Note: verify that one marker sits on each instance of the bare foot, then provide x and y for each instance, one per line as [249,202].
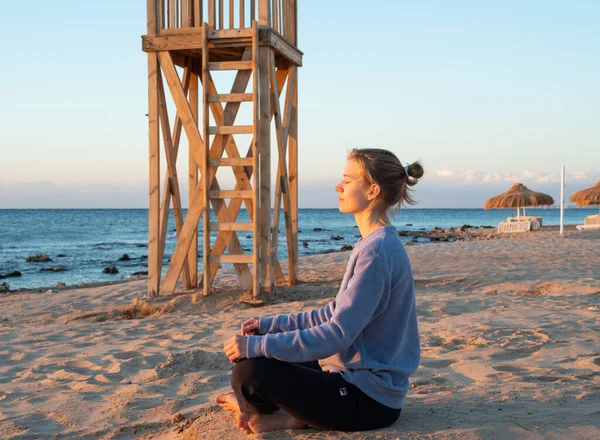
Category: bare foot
[228,402]
[242,423]
[272,422]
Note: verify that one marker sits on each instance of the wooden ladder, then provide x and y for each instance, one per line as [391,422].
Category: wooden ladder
[244,168]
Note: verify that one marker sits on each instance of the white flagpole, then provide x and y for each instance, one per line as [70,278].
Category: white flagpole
[562,199]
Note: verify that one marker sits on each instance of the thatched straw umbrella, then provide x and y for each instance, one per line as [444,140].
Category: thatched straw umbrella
[519,195]
[588,196]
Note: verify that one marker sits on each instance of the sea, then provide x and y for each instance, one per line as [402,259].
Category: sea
[86,241]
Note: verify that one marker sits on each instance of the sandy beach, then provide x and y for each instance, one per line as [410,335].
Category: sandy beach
[510,332]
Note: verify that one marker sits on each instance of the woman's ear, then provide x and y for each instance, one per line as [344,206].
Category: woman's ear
[374,191]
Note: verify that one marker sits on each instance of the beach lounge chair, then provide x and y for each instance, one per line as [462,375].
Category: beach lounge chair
[525,218]
[590,222]
[519,226]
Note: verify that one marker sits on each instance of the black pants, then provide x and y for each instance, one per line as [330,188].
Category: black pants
[319,399]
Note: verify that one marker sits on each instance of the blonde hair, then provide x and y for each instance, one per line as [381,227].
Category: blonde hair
[383,168]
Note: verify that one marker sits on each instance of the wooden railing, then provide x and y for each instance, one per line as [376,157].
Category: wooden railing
[280,15]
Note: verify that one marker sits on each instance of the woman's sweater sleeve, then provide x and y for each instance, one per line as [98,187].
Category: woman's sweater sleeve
[354,309]
[296,321]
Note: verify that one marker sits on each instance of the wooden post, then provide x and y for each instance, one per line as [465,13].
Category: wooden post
[212,14]
[151,23]
[264,13]
[293,22]
[242,14]
[255,162]
[154,179]
[205,178]
[293,180]
[154,165]
[221,14]
[198,13]
[264,151]
[192,182]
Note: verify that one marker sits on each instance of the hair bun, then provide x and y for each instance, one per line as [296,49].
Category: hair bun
[414,171]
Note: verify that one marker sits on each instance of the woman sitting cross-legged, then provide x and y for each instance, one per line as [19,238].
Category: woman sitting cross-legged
[345,366]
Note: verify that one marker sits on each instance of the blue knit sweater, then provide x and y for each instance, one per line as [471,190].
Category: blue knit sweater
[369,331]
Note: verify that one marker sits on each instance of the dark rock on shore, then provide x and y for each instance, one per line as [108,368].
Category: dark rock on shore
[59,285]
[347,247]
[111,269]
[141,272]
[125,257]
[14,273]
[337,237]
[39,258]
[53,269]
[4,287]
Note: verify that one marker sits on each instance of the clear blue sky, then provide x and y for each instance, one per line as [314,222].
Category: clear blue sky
[484,93]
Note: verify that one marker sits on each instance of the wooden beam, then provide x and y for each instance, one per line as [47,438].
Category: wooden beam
[171,14]
[212,10]
[230,65]
[193,179]
[293,180]
[235,226]
[231,129]
[264,150]
[151,18]
[231,162]
[264,13]
[294,22]
[231,258]
[230,194]
[242,14]
[154,179]
[230,97]
[206,181]
[270,38]
[255,156]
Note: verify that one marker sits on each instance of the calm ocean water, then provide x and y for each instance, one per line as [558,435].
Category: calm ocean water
[93,239]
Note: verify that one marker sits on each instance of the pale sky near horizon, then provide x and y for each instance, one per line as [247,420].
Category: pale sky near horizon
[483,93]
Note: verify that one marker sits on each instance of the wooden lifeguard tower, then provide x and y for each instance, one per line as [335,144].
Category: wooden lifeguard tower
[255,39]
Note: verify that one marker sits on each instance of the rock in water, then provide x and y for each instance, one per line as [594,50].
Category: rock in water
[39,258]
[111,269]
[54,269]
[191,361]
[13,273]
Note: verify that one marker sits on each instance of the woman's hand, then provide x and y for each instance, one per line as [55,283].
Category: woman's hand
[250,327]
[236,348]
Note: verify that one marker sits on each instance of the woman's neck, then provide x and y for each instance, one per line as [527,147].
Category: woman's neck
[370,221]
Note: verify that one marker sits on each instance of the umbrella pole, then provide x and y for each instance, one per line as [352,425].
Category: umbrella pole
[518,213]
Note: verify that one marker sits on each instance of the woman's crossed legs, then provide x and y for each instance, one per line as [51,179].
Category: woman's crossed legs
[269,395]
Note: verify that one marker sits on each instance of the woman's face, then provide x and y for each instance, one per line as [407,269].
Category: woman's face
[353,190]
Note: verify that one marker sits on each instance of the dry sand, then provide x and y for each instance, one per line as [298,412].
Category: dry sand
[510,340]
